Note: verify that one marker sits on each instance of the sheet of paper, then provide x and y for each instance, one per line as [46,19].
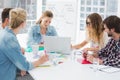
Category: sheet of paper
[110,69]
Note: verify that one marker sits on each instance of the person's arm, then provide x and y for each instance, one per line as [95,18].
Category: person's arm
[110,54]
[115,62]
[90,58]
[13,52]
[22,50]
[78,46]
[23,73]
[94,49]
[103,54]
[41,60]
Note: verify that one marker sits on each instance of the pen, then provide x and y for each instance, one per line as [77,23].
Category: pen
[44,66]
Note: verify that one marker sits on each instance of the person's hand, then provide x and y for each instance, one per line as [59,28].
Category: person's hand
[90,58]
[84,55]
[72,47]
[23,73]
[85,50]
[23,50]
[43,58]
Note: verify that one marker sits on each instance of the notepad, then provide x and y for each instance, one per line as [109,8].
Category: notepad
[110,69]
[44,66]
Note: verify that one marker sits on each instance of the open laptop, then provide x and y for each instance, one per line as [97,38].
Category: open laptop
[57,44]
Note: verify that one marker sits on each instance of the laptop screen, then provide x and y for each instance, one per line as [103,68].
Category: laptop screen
[57,44]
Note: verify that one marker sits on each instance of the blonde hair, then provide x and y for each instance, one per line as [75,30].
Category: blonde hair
[46,13]
[96,33]
[17,16]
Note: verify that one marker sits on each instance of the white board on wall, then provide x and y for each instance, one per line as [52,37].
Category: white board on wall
[65,17]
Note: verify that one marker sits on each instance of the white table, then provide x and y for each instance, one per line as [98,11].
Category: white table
[71,70]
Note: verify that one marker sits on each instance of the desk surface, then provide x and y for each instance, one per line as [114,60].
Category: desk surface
[71,70]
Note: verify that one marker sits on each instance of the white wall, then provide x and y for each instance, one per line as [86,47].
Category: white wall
[65,17]
[39,8]
[119,8]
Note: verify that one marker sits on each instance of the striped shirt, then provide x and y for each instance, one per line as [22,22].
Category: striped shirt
[110,54]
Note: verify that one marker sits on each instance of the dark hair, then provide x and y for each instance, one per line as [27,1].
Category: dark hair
[113,22]
[5,13]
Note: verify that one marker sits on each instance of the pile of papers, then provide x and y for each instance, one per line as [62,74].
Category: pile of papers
[107,69]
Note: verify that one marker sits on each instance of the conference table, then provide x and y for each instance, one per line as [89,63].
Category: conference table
[71,69]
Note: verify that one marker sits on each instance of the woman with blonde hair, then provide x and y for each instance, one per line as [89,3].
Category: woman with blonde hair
[11,56]
[95,34]
[42,28]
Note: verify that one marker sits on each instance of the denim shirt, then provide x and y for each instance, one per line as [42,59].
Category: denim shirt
[11,57]
[34,35]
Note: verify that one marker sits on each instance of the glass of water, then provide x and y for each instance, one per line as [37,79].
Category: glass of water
[95,63]
[52,58]
[35,49]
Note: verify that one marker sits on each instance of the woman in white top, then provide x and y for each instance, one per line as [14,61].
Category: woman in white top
[95,34]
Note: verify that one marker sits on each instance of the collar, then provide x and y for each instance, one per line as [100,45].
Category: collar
[9,30]
[38,28]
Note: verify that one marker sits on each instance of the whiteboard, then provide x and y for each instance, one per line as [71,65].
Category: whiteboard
[65,17]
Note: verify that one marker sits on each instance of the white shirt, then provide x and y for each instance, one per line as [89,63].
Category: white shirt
[93,44]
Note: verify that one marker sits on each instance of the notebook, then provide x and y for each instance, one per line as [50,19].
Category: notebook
[57,44]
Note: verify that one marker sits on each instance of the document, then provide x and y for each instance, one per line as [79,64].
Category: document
[109,69]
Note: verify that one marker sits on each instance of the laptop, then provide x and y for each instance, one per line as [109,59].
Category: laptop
[57,44]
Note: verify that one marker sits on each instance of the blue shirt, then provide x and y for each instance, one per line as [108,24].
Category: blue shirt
[11,57]
[34,35]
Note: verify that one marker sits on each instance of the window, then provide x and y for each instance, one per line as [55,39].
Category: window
[82,15]
[88,9]
[102,2]
[101,10]
[87,14]
[82,21]
[112,6]
[88,2]
[82,2]
[28,5]
[95,2]
[82,8]
[82,27]
[95,9]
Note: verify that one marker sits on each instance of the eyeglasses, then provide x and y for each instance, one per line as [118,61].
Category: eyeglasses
[88,23]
